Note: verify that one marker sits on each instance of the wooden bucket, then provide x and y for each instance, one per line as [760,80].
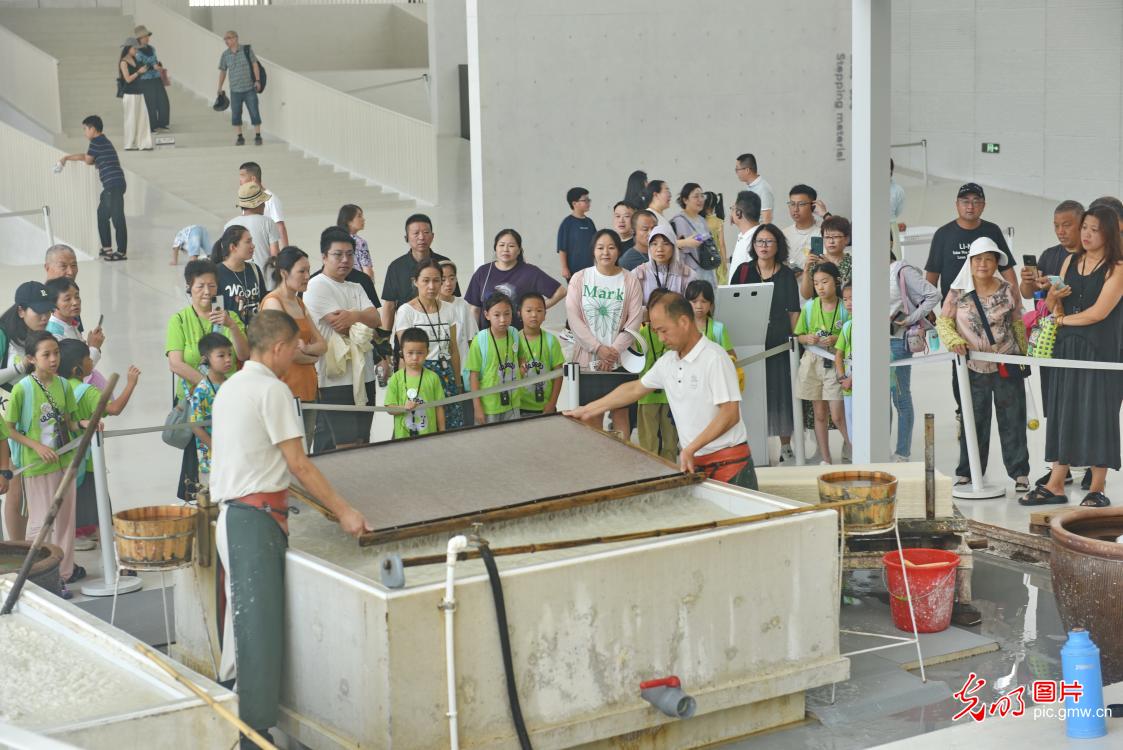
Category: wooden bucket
[877,488]
[155,537]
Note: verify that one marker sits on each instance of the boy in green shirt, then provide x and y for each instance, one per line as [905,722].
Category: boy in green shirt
[540,352]
[414,385]
[493,359]
[819,324]
[843,348]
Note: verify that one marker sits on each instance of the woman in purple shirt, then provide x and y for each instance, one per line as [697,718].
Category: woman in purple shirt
[511,274]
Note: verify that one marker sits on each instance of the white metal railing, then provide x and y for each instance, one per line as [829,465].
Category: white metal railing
[378,144]
[921,144]
[26,179]
[30,80]
[45,212]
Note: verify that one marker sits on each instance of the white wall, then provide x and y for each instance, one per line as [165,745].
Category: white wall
[329,37]
[1040,77]
[582,92]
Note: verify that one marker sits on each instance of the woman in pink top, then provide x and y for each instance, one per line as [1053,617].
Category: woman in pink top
[603,303]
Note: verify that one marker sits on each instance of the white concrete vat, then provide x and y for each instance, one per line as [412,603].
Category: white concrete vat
[72,677]
[746,616]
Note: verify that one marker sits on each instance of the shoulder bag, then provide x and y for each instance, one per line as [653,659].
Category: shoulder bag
[706,255]
[1005,371]
[177,437]
[261,77]
[916,337]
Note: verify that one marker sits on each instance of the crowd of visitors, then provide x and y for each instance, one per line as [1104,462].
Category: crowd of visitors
[624,290]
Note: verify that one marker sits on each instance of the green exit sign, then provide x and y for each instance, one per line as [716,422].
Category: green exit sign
[990,148]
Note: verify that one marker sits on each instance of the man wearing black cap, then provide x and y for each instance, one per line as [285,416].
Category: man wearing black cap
[951,242]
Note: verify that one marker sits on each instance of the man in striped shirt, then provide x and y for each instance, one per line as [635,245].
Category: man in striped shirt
[111,207]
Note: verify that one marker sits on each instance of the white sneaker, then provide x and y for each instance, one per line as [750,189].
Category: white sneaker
[787,455]
[825,463]
[899,459]
[84,544]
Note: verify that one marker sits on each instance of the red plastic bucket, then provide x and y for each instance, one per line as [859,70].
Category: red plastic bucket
[932,588]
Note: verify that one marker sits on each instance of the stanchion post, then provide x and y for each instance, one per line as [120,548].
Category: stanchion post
[797,404]
[977,490]
[47,226]
[108,582]
[571,372]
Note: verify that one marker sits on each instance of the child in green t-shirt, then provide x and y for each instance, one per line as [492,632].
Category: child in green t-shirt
[216,358]
[540,351]
[76,363]
[414,385]
[657,431]
[493,360]
[819,324]
[843,349]
[42,418]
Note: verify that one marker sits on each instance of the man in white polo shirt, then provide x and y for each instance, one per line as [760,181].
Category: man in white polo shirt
[335,305]
[701,386]
[257,442]
[745,215]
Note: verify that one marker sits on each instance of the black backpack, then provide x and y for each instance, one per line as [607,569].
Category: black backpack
[262,77]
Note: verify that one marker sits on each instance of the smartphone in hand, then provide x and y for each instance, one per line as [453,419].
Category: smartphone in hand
[816,245]
[1029,261]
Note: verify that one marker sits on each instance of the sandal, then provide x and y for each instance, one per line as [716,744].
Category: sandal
[78,574]
[1041,496]
[104,253]
[962,481]
[114,256]
[1021,485]
[1095,500]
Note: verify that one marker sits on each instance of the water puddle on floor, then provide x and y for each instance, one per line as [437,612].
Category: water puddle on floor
[1019,612]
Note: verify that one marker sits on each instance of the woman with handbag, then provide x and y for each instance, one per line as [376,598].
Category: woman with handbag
[911,300]
[138,130]
[185,329]
[697,245]
[1083,405]
[983,312]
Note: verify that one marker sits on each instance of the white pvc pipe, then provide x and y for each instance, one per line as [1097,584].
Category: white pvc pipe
[797,406]
[456,545]
[47,226]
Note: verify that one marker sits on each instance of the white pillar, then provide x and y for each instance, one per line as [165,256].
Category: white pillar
[870,195]
[475,126]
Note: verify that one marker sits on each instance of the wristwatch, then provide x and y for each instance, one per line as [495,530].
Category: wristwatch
[6,473]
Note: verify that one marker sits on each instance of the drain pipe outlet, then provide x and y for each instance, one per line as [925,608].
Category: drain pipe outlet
[456,545]
[666,694]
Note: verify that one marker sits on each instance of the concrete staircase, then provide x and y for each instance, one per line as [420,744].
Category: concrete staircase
[202,167]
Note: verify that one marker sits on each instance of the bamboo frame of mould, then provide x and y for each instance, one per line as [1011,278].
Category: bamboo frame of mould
[549,504]
[523,549]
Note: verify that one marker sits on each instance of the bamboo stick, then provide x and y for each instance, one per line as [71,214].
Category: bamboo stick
[534,507]
[522,549]
[301,494]
[56,503]
[218,708]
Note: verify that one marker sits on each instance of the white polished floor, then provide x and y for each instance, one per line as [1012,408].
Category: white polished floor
[137,298]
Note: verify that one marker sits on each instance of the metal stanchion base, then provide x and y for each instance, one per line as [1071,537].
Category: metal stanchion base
[127,585]
[985,492]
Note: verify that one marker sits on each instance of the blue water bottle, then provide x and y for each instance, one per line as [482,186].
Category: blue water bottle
[1080,662]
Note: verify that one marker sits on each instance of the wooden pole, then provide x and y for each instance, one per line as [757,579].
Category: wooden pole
[219,709]
[523,549]
[67,478]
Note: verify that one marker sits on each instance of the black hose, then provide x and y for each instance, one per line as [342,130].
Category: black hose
[505,646]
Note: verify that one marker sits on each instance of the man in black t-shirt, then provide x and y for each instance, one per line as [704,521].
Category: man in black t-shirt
[951,242]
[397,284]
[1066,224]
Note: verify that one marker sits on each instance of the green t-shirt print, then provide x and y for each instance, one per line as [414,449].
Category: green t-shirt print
[428,388]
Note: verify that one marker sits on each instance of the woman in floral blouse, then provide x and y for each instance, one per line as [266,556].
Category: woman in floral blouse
[978,289]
